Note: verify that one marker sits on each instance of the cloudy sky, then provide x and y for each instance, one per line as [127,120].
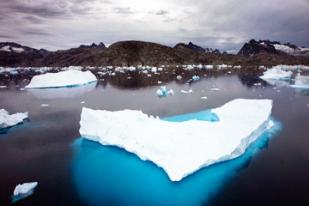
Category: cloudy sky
[223,24]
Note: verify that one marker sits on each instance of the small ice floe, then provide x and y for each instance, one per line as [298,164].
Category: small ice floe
[178,77]
[3,87]
[164,92]
[183,147]
[44,105]
[82,102]
[21,89]
[68,78]
[214,89]
[7,120]
[195,78]
[24,190]
[186,91]
[159,82]
[257,84]
[204,98]
[276,73]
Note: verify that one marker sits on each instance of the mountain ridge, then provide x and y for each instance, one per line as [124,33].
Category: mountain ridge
[130,53]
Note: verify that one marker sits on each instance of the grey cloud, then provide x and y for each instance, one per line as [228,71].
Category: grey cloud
[161,12]
[123,10]
[4,36]
[36,32]
[34,19]
[219,24]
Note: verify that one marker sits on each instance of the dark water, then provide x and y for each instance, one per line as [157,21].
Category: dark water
[71,171]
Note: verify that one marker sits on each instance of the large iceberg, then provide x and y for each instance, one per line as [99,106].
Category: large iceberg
[68,78]
[180,148]
[276,73]
[7,120]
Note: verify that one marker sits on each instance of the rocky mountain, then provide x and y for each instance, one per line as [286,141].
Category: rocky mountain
[94,46]
[128,53]
[13,54]
[196,48]
[254,47]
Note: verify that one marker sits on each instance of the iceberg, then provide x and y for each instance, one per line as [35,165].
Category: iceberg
[276,73]
[163,92]
[195,78]
[69,78]
[181,148]
[7,120]
[23,190]
[301,82]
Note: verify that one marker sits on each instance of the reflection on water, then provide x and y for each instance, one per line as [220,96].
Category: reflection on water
[63,92]
[41,148]
[106,175]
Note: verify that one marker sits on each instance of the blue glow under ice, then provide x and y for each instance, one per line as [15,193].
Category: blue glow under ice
[107,175]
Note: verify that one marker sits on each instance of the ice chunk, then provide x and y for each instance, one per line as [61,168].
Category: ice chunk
[164,92]
[7,120]
[276,73]
[204,98]
[180,148]
[67,78]
[186,91]
[195,78]
[178,77]
[24,190]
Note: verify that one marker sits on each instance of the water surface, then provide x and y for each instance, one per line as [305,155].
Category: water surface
[71,171]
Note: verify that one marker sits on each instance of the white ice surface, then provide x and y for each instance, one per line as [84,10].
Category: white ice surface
[180,148]
[22,189]
[61,79]
[7,120]
[276,73]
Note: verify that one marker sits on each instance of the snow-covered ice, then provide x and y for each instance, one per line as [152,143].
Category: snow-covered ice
[67,78]
[7,120]
[204,98]
[164,92]
[276,73]
[24,190]
[180,148]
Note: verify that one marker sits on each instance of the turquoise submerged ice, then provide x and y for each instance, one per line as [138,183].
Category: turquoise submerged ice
[180,148]
[106,175]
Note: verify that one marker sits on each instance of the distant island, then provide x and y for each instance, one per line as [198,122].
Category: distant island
[133,53]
